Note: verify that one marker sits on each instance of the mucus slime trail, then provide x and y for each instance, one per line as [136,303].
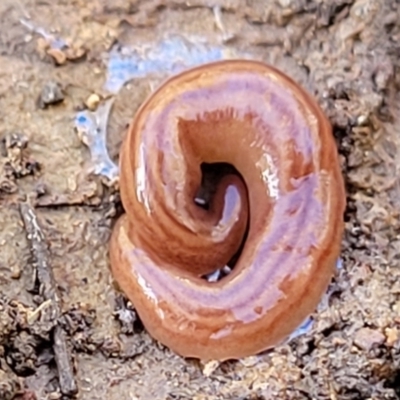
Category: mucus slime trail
[276,208]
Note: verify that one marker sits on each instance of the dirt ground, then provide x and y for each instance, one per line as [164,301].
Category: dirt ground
[53,56]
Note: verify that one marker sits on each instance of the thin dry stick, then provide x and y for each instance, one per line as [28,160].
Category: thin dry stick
[48,290]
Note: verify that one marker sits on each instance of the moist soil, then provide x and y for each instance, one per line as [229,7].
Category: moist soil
[345,52]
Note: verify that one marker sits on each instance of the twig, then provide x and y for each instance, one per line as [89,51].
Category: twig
[67,201]
[48,290]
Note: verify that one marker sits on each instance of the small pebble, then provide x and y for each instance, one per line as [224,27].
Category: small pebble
[58,55]
[367,338]
[362,120]
[92,101]
[250,361]
[392,336]
[40,189]
[52,93]
[16,272]
[210,367]
[285,3]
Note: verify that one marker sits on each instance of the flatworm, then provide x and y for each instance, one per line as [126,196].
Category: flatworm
[230,163]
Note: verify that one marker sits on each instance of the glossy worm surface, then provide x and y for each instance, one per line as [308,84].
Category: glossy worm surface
[278,212]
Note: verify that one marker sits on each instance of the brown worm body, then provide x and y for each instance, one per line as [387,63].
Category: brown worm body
[291,198]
